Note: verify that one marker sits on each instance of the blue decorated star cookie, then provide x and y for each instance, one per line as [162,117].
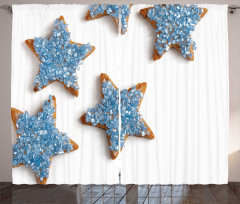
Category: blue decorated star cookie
[174,25]
[100,10]
[38,140]
[106,114]
[60,58]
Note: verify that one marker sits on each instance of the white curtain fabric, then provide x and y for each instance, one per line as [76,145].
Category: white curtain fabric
[91,162]
[186,103]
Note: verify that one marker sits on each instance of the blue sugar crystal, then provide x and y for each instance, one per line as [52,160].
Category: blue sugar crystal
[59,58]
[39,140]
[107,113]
[96,9]
[125,12]
[174,24]
[112,10]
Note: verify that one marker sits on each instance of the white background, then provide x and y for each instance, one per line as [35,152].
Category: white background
[186,103]
[91,163]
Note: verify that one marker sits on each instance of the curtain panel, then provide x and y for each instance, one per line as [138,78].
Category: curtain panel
[186,103]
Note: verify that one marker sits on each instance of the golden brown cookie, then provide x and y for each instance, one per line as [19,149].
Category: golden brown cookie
[116,20]
[15,114]
[30,44]
[156,55]
[142,87]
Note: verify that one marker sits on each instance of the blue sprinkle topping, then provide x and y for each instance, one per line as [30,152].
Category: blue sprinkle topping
[59,58]
[174,26]
[125,12]
[112,10]
[39,140]
[107,113]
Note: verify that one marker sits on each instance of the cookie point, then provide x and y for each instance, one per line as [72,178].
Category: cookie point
[29,42]
[61,18]
[88,16]
[143,12]
[104,77]
[74,92]
[54,98]
[13,111]
[15,114]
[35,89]
[144,84]
[43,182]
[205,10]
[75,145]
[83,118]
[93,48]
[114,154]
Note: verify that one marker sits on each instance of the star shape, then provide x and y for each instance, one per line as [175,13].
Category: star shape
[173,25]
[38,140]
[100,10]
[60,58]
[106,114]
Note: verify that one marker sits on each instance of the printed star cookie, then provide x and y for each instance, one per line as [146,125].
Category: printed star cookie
[60,58]
[106,114]
[38,140]
[100,10]
[174,25]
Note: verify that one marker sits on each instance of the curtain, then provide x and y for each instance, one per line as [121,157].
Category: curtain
[186,102]
[90,163]
[186,105]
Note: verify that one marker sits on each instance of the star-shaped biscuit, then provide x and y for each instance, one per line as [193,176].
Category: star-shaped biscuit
[99,10]
[173,25]
[106,114]
[38,140]
[60,58]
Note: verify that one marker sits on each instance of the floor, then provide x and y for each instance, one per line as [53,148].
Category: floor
[229,193]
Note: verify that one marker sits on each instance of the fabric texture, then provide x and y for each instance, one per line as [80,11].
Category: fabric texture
[186,103]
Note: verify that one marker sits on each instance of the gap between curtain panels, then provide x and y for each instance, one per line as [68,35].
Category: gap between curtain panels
[119,93]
